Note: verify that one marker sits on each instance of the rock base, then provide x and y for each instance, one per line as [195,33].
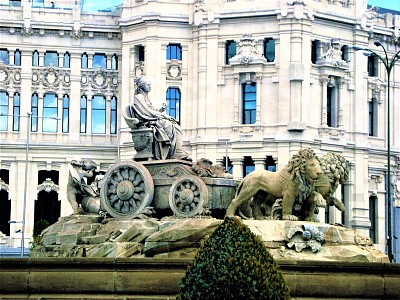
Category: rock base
[91,236]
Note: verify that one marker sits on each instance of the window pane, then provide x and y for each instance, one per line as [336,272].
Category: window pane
[84,62]
[34,110]
[173,103]
[98,114]
[230,48]
[35,58]
[16,111]
[66,60]
[83,114]
[51,58]
[17,57]
[113,119]
[50,110]
[65,114]
[99,60]
[114,62]
[249,103]
[4,57]
[174,51]
[269,49]
[3,111]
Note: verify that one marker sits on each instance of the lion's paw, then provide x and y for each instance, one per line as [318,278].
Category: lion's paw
[290,217]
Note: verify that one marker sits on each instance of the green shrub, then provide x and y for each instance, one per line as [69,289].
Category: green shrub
[233,264]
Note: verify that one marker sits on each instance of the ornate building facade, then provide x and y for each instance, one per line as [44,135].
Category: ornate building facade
[250,82]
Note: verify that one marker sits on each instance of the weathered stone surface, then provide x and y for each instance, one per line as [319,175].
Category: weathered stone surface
[179,238]
[184,234]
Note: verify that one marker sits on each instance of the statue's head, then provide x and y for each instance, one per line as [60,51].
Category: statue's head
[142,85]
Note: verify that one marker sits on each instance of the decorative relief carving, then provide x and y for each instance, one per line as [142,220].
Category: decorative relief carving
[247,52]
[48,185]
[376,89]
[333,55]
[99,80]
[51,77]
[4,186]
[174,70]
[139,69]
[9,75]
[76,30]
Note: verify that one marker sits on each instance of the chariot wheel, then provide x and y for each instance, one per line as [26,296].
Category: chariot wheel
[187,196]
[126,190]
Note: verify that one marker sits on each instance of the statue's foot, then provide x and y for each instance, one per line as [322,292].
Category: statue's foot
[339,205]
[230,212]
[290,217]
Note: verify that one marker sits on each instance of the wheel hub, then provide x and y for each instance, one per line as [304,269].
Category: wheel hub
[125,190]
[186,196]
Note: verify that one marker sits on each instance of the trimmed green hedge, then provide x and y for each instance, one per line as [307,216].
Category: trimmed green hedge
[233,264]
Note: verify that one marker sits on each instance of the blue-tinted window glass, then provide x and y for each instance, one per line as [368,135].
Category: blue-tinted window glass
[230,50]
[114,62]
[51,58]
[99,60]
[34,110]
[17,58]
[269,49]
[249,103]
[248,164]
[66,60]
[83,114]
[65,114]
[16,111]
[3,111]
[173,103]
[98,114]
[35,58]
[50,110]
[113,118]
[4,56]
[84,61]
[174,51]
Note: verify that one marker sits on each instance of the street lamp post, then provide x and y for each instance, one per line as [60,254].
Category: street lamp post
[389,63]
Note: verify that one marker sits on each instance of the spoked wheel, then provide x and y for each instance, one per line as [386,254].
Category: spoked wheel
[126,190]
[187,196]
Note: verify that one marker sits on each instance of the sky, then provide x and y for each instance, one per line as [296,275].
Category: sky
[104,4]
[390,4]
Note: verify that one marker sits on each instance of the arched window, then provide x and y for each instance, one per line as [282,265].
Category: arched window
[99,60]
[65,114]
[83,114]
[174,51]
[3,111]
[84,61]
[66,63]
[16,111]
[50,111]
[98,114]
[114,62]
[35,58]
[51,58]
[4,56]
[173,100]
[17,57]
[34,110]
[113,117]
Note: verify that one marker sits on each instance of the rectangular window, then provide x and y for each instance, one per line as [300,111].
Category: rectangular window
[4,56]
[113,117]
[99,60]
[372,118]
[269,49]
[372,66]
[17,57]
[50,58]
[3,111]
[314,56]
[249,103]
[140,53]
[16,111]
[98,114]
[50,111]
[174,51]
[373,218]
[331,106]
[34,110]
[230,50]
[65,114]
[83,114]
[248,165]
[173,103]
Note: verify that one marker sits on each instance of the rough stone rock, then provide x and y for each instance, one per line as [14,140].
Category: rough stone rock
[88,236]
[184,234]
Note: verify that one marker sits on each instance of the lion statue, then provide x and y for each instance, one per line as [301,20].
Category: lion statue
[294,182]
[336,171]
[81,196]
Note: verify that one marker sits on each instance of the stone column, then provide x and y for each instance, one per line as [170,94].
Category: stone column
[10,92]
[237,164]
[60,95]
[259,163]
[40,111]
[258,97]
[108,111]
[324,112]
[89,96]
[340,83]
[236,107]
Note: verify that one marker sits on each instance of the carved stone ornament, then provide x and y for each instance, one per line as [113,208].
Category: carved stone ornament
[9,75]
[247,52]
[48,186]
[332,55]
[142,142]
[51,77]
[307,237]
[99,80]
[139,69]
[27,27]
[76,30]
[3,185]
[198,5]
[174,70]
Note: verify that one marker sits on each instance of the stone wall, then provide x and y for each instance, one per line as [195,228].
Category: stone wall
[104,278]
